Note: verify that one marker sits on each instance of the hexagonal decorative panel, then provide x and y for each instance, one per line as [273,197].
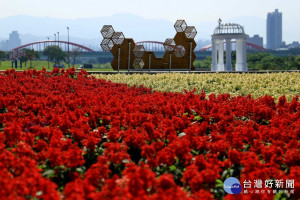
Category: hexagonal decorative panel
[107,31]
[139,50]
[138,63]
[107,44]
[190,32]
[169,44]
[180,25]
[179,51]
[118,37]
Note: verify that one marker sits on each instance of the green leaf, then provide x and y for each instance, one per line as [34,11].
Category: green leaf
[60,167]
[219,183]
[80,170]
[172,168]
[195,152]
[279,196]
[198,118]
[49,173]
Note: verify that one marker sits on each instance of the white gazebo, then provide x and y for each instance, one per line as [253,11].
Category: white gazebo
[228,32]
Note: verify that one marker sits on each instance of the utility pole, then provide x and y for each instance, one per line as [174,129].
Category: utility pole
[68,48]
[58,38]
[48,56]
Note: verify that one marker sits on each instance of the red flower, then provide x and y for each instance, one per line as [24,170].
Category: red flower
[116,152]
[70,131]
[166,156]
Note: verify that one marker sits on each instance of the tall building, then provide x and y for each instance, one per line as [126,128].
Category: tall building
[2,45]
[256,39]
[13,41]
[274,30]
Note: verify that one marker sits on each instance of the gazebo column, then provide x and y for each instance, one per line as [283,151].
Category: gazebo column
[244,48]
[214,65]
[228,66]
[221,55]
[241,63]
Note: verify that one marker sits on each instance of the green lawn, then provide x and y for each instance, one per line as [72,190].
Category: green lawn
[4,65]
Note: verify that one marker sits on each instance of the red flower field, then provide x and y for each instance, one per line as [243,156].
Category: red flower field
[69,136]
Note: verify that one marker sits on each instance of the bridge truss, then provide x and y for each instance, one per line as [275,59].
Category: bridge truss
[41,45]
[157,46]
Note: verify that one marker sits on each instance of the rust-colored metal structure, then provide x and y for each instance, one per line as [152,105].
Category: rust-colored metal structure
[128,55]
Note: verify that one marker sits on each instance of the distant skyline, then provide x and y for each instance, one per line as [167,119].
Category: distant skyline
[193,11]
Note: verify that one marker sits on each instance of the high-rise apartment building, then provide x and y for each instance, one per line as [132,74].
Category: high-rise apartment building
[13,41]
[274,30]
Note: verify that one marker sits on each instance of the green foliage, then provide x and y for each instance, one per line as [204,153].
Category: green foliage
[206,63]
[30,54]
[24,59]
[295,61]
[267,61]
[55,53]
[3,56]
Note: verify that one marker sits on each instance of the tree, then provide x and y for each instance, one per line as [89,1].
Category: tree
[30,54]
[75,53]
[24,59]
[265,61]
[55,53]
[3,56]
[297,62]
[205,63]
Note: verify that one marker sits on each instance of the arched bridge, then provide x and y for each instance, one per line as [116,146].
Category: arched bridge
[41,45]
[157,46]
[249,46]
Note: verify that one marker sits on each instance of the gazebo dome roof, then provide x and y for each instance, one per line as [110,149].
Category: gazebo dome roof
[229,28]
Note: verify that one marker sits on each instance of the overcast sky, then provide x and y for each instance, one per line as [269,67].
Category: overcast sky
[194,11]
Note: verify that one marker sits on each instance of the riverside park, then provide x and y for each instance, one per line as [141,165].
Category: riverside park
[150,120]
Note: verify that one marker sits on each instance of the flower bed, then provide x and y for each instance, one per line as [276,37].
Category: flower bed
[67,136]
[273,84]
